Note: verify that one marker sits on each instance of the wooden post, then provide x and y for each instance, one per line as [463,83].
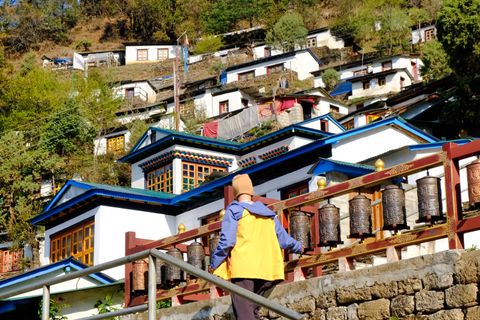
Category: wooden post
[452,193]
[129,245]
[394,254]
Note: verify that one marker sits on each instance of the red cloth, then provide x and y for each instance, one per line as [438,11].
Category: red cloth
[210,129]
[287,104]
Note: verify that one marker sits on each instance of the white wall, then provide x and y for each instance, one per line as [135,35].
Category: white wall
[325,38]
[392,84]
[234,102]
[303,63]
[365,145]
[259,52]
[418,35]
[323,107]
[142,90]
[332,127]
[131,52]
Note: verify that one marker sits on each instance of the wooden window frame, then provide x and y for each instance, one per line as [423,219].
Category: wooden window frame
[382,81]
[160,178]
[312,42]
[193,174]
[249,75]
[371,117]
[387,65]
[324,125]
[162,56]
[333,108]
[10,260]
[77,242]
[116,144]
[276,68]
[366,84]
[294,190]
[429,34]
[142,54]
[223,107]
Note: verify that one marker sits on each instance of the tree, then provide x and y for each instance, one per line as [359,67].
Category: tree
[208,44]
[287,33]
[435,61]
[330,78]
[458,24]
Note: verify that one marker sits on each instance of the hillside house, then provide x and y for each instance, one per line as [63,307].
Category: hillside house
[423,33]
[169,182]
[303,62]
[149,52]
[135,91]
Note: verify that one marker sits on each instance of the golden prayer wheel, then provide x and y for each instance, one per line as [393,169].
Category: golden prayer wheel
[300,228]
[360,210]
[140,275]
[196,255]
[174,274]
[329,219]
[394,211]
[429,199]
[473,178]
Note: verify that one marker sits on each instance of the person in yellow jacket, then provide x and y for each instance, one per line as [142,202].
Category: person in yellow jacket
[249,251]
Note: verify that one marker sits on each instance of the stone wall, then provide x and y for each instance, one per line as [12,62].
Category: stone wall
[441,286]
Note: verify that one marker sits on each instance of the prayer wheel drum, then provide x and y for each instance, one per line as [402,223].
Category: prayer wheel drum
[196,255]
[300,227]
[214,243]
[160,268]
[360,209]
[394,212]
[473,178]
[429,199]
[174,274]
[329,220]
[140,275]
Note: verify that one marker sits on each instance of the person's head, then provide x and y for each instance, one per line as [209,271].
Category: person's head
[242,185]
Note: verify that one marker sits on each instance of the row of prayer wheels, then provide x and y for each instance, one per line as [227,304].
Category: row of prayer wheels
[360,212]
[168,275]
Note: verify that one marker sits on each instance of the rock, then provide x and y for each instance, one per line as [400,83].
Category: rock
[349,295]
[318,314]
[437,282]
[374,310]
[409,286]
[352,312]
[384,290]
[472,313]
[454,314]
[326,300]
[337,313]
[402,305]
[462,295]
[429,301]
[304,305]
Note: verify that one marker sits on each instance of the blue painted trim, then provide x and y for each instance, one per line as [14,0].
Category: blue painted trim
[325,165]
[323,117]
[64,189]
[438,144]
[68,262]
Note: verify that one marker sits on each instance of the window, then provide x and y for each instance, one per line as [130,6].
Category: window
[267,52]
[295,190]
[372,117]
[161,179]
[334,108]
[360,72]
[10,260]
[366,85]
[429,34]
[312,42]
[246,75]
[76,242]
[387,65]
[116,144]
[324,125]
[193,174]
[223,107]
[275,69]
[244,102]
[162,54]
[382,81]
[402,82]
[142,54]
[349,125]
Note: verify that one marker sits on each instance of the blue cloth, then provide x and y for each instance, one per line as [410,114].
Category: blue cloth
[228,234]
[341,88]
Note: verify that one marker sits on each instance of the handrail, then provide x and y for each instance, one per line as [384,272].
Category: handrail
[45,284]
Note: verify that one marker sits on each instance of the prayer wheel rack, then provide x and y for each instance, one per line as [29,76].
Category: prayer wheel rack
[344,255]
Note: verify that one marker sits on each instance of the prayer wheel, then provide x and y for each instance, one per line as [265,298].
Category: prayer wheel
[196,255]
[473,178]
[329,219]
[174,274]
[394,212]
[300,227]
[360,209]
[214,243]
[140,275]
[160,268]
[429,199]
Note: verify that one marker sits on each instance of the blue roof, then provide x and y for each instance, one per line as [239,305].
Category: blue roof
[159,198]
[75,265]
[341,88]
[350,169]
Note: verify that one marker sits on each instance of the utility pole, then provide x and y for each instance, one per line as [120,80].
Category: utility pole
[176,84]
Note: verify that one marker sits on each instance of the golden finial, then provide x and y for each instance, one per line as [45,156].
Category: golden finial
[321,183]
[221,214]
[379,165]
[181,228]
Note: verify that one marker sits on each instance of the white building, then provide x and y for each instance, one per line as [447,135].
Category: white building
[142,53]
[132,90]
[424,33]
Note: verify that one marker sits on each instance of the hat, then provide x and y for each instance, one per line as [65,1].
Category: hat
[242,185]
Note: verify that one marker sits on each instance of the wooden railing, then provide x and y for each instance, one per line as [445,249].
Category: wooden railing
[386,244]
